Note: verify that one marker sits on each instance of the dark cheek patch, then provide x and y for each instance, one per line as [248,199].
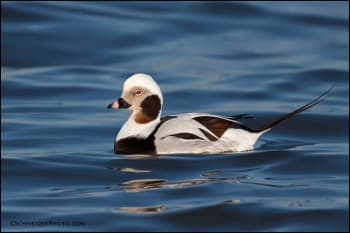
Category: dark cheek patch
[142,118]
[150,109]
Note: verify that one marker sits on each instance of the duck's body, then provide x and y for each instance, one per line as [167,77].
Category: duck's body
[189,133]
[146,132]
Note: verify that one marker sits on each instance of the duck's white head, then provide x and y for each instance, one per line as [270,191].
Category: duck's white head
[143,96]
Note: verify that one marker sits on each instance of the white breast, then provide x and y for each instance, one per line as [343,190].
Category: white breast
[134,129]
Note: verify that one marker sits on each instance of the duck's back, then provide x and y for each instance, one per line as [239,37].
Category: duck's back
[202,133]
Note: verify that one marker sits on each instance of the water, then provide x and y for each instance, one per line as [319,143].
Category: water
[62,63]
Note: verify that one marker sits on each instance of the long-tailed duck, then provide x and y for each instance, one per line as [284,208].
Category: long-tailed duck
[146,132]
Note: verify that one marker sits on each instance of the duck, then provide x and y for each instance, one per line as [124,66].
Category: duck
[146,131]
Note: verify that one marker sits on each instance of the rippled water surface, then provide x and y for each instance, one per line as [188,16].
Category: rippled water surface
[62,63]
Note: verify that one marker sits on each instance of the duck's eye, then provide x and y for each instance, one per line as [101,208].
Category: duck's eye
[138,92]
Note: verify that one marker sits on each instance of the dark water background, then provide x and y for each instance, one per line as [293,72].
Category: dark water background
[62,63]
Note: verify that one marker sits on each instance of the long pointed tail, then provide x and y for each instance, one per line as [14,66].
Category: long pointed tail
[299,110]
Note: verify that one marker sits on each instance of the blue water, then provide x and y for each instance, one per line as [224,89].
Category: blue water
[62,63]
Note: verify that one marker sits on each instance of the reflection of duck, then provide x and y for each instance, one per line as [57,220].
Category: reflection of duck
[144,209]
[139,185]
[143,184]
[146,132]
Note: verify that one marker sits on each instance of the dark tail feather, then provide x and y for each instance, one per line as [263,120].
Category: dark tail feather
[299,110]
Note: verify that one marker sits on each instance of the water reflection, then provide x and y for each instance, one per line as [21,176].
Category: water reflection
[129,169]
[144,209]
[232,201]
[300,203]
[138,156]
[138,185]
[211,173]
[143,184]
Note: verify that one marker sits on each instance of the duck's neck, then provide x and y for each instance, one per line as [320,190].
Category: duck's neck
[133,128]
